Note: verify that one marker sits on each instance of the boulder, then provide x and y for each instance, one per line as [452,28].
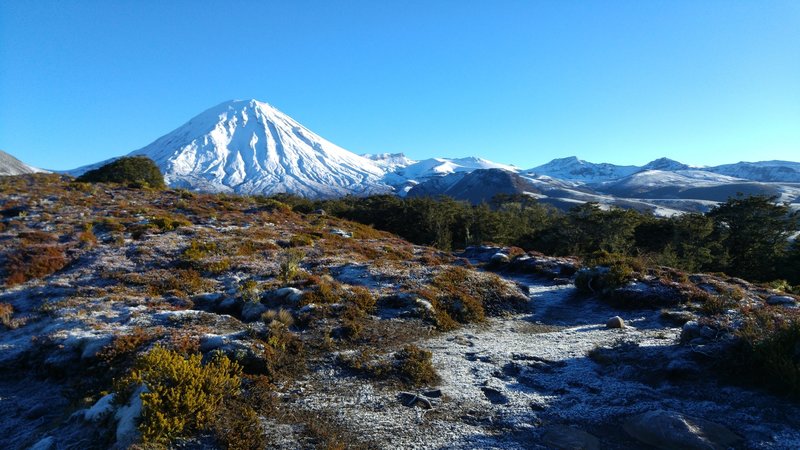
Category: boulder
[783,300]
[669,430]
[287,294]
[499,258]
[564,437]
[251,311]
[615,322]
[690,331]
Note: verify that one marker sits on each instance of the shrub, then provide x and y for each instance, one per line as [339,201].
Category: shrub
[138,170]
[124,346]
[410,366]
[197,250]
[459,295]
[289,264]
[31,262]
[362,298]
[283,352]
[237,427]
[250,291]
[414,366]
[87,236]
[6,312]
[167,223]
[283,316]
[301,240]
[270,204]
[771,342]
[182,394]
[610,271]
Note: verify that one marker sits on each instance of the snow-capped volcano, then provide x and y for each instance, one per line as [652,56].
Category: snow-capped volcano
[248,146]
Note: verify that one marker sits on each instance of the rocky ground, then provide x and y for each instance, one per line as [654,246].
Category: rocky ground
[524,359]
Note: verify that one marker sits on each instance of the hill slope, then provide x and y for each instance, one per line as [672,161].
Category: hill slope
[10,165]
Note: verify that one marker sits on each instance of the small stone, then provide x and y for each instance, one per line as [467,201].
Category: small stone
[411,400]
[435,393]
[615,322]
[783,300]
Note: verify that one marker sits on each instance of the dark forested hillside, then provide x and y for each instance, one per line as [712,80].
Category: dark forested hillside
[748,237]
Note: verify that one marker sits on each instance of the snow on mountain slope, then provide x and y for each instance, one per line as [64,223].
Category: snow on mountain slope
[661,183]
[438,167]
[665,164]
[769,171]
[405,178]
[250,147]
[442,166]
[575,169]
[390,161]
[10,165]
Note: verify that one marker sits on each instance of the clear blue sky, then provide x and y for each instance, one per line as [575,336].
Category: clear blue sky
[521,82]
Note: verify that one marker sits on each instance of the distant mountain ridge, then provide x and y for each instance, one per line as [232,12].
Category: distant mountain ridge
[250,147]
[10,165]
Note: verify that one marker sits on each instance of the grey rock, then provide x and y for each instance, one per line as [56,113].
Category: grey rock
[564,437]
[342,233]
[287,294]
[411,400]
[435,393]
[615,322]
[783,300]
[499,258]
[251,311]
[669,430]
[690,331]
[708,332]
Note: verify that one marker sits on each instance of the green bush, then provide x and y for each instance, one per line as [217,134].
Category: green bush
[166,223]
[182,394]
[135,170]
[289,264]
[771,341]
[410,366]
[414,366]
[609,272]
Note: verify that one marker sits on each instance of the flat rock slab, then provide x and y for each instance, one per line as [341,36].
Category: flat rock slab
[669,430]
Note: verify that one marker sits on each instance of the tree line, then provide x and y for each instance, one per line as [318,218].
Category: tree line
[747,237]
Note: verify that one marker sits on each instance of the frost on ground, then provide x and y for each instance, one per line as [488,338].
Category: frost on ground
[331,321]
[528,381]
